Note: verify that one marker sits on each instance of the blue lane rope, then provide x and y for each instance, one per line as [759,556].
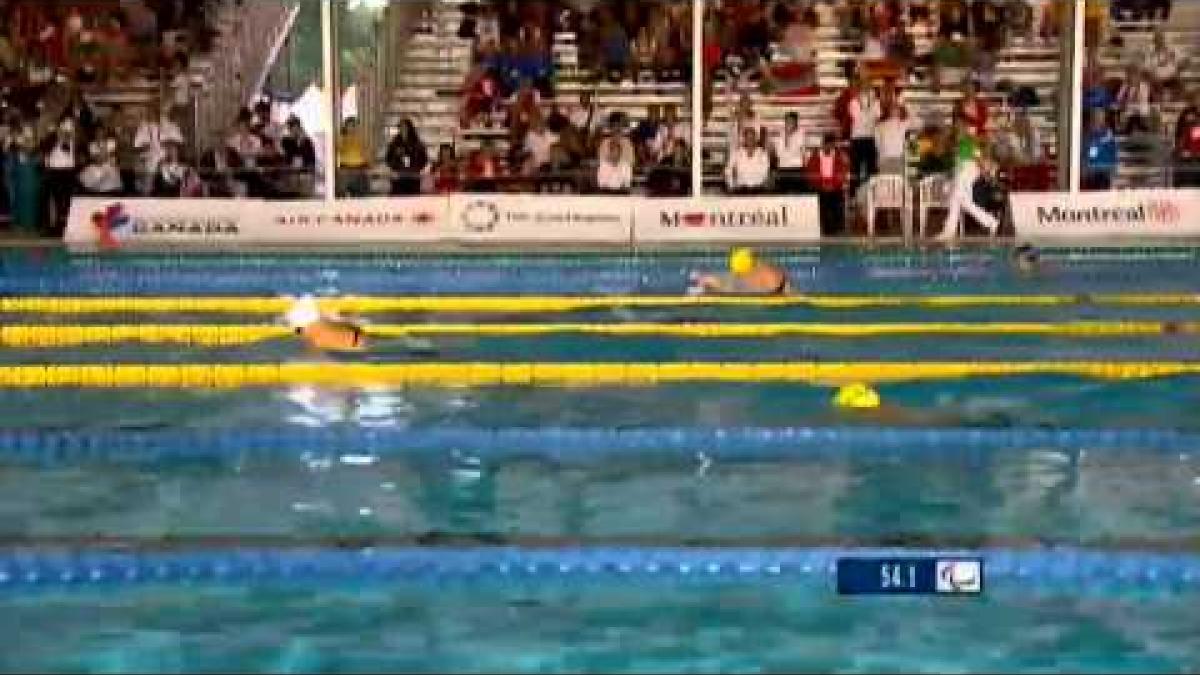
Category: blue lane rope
[58,447]
[1054,570]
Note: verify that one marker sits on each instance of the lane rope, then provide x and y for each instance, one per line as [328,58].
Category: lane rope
[1009,570]
[538,304]
[47,448]
[209,335]
[558,374]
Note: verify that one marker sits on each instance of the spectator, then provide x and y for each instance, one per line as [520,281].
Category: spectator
[935,150]
[483,169]
[406,157]
[864,112]
[352,158]
[950,58]
[645,133]
[525,109]
[1164,66]
[1100,155]
[616,50]
[537,145]
[23,177]
[150,141]
[790,155]
[891,137]
[614,175]
[671,177]
[743,118]
[1187,145]
[799,41]
[481,97]
[586,115]
[1021,144]
[1134,102]
[445,176]
[559,175]
[828,173]
[299,155]
[173,177]
[749,168]
[670,130]
[973,110]
[61,156]
[101,175]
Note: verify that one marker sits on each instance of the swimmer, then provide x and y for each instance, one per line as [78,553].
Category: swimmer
[863,403]
[748,275]
[1027,260]
[325,332]
[330,333]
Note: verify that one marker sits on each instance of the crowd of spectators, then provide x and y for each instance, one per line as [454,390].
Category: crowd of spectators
[56,141]
[535,138]
[872,130]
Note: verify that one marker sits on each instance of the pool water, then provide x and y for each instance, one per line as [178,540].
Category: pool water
[1036,464]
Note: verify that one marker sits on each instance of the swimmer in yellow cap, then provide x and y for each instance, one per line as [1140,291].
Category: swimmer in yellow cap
[748,275]
[857,396]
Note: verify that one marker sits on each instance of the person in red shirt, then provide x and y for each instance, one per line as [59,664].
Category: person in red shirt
[1187,145]
[973,109]
[483,169]
[828,171]
[446,173]
[841,107]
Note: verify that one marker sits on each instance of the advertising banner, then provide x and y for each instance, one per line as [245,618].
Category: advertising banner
[117,223]
[1100,215]
[734,219]
[541,218]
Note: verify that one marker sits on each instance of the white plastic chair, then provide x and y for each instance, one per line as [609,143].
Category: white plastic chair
[933,193]
[887,192]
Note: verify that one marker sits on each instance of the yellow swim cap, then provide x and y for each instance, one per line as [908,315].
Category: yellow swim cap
[741,261]
[857,396]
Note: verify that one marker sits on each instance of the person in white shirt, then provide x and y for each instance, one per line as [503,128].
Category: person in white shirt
[670,130]
[790,156]
[743,118]
[614,175]
[1134,102]
[102,176]
[245,147]
[61,158]
[586,115]
[749,167]
[865,111]
[538,141]
[891,138]
[967,174]
[1164,66]
[150,141]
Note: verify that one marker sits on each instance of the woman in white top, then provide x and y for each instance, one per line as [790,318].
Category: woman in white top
[1133,102]
[891,138]
[150,141]
[749,167]
[102,176]
[614,175]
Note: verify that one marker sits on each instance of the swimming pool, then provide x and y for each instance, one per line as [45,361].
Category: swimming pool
[444,517]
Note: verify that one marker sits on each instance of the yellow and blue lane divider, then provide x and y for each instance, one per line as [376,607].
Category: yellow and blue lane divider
[551,304]
[216,335]
[580,374]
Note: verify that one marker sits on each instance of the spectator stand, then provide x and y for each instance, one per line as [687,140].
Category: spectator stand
[1023,62]
[1145,160]
[430,93]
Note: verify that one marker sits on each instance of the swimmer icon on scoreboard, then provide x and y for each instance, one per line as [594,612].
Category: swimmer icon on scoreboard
[910,576]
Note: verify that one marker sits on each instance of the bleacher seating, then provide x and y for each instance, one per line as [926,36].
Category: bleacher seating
[1144,165]
[1035,66]
[437,61]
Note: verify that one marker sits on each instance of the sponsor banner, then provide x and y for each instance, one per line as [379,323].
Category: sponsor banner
[1092,215]
[115,223]
[735,219]
[541,218]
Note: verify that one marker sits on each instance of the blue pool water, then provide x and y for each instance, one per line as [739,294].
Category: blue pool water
[1051,468]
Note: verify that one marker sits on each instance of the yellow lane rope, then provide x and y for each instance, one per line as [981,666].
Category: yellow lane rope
[554,374]
[526,304]
[230,335]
